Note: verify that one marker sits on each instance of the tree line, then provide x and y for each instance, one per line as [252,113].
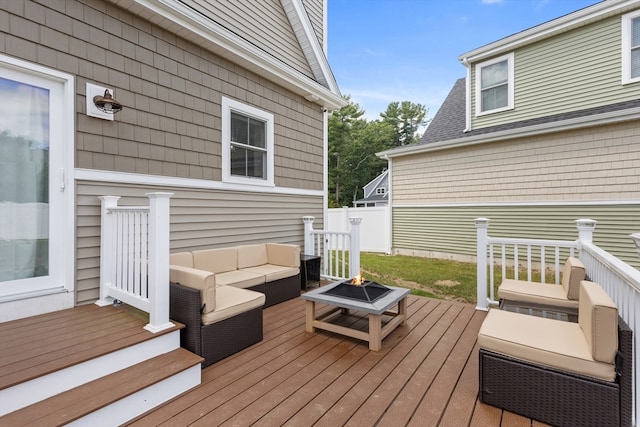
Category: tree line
[354,142]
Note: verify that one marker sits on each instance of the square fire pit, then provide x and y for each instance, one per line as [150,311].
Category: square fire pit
[367,292]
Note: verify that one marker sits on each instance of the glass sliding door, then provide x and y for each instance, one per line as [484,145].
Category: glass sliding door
[31,194]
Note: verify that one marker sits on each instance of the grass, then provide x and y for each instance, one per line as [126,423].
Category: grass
[435,278]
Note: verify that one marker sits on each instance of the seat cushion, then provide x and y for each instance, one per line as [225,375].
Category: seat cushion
[193,278]
[561,345]
[572,274]
[231,301]
[239,279]
[598,318]
[252,255]
[535,293]
[273,272]
[216,260]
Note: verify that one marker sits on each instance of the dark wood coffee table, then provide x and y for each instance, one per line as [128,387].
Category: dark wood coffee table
[375,311]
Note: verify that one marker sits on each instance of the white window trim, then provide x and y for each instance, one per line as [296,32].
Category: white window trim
[229,105]
[626,47]
[510,84]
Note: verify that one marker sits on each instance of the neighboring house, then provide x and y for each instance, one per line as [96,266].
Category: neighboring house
[376,192]
[224,105]
[544,129]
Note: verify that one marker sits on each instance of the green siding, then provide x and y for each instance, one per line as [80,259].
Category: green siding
[577,70]
[452,230]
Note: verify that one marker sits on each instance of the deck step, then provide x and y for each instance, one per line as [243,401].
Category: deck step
[118,397]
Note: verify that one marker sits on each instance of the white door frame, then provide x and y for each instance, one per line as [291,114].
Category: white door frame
[56,291]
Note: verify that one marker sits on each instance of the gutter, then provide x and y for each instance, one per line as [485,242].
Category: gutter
[540,129]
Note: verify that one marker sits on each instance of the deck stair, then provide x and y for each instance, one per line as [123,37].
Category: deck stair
[90,366]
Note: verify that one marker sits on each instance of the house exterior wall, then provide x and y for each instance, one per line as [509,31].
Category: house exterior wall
[315,9]
[531,187]
[576,70]
[200,219]
[170,127]
[272,34]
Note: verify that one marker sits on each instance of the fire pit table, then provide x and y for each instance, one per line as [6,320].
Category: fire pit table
[370,298]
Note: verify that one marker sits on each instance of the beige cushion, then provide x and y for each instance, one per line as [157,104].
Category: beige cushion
[196,279]
[184,259]
[216,260]
[549,342]
[232,301]
[273,272]
[572,274]
[535,293]
[284,255]
[252,255]
[239,279]
[598,318]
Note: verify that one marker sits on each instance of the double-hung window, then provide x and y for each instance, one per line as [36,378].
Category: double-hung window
[631,47]
[494,85]
[247,144]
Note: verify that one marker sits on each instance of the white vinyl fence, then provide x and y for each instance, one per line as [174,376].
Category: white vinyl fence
[375,229]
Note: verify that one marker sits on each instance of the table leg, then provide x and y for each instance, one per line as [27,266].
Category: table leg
[310,316]
[402,310]
[375,332]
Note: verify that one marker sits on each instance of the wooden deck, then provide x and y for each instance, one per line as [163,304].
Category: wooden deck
[425,375]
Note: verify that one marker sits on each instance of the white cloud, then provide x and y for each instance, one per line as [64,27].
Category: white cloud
[492,1]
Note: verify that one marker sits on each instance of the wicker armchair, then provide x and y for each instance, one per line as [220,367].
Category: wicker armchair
[217,340]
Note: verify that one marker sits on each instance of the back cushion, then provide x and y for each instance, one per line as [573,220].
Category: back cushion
[202,280]
[598,319]
[184,259]
[572,274]
[216,260]
[252,255]
[283,254]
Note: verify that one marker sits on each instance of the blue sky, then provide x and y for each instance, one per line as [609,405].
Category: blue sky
[382,51]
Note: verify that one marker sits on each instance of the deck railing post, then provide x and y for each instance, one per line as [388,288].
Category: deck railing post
[308,236]
[158,262]
[107,234]
[585,229]
[482,238]
[354,255]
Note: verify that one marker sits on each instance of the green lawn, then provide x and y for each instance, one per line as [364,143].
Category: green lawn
[434,278]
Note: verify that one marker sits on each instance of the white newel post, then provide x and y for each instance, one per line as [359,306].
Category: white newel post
[585,229]
[308,236]
[107,251]
[158,262]
[354,255]
[482,237]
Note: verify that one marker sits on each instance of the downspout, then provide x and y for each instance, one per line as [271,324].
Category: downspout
[389,216]
[325,167]
[467,117]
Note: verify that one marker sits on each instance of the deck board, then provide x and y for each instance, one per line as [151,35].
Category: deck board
[425,374]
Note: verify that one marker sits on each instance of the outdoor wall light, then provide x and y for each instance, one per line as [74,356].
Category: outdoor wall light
[636,240]
[101,102]
[106,103]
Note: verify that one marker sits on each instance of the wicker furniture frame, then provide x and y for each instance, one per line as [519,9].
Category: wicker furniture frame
[279,290]
[541,310]
[558,397]
[217,340]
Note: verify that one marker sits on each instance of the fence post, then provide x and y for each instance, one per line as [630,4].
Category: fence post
[308,237]
[107,234]
[158,278]
[585,229]
[482,237]
[354,250]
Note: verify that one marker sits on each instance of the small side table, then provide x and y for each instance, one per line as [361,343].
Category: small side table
[309,271]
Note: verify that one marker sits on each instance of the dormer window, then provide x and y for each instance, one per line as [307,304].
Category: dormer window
[631,47]
[380,190]
[494,85]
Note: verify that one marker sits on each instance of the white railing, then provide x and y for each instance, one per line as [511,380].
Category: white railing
[617,278]
[134,257]
[339,250]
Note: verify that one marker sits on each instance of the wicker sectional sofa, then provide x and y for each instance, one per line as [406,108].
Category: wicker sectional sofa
[561,373]
[219,294]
